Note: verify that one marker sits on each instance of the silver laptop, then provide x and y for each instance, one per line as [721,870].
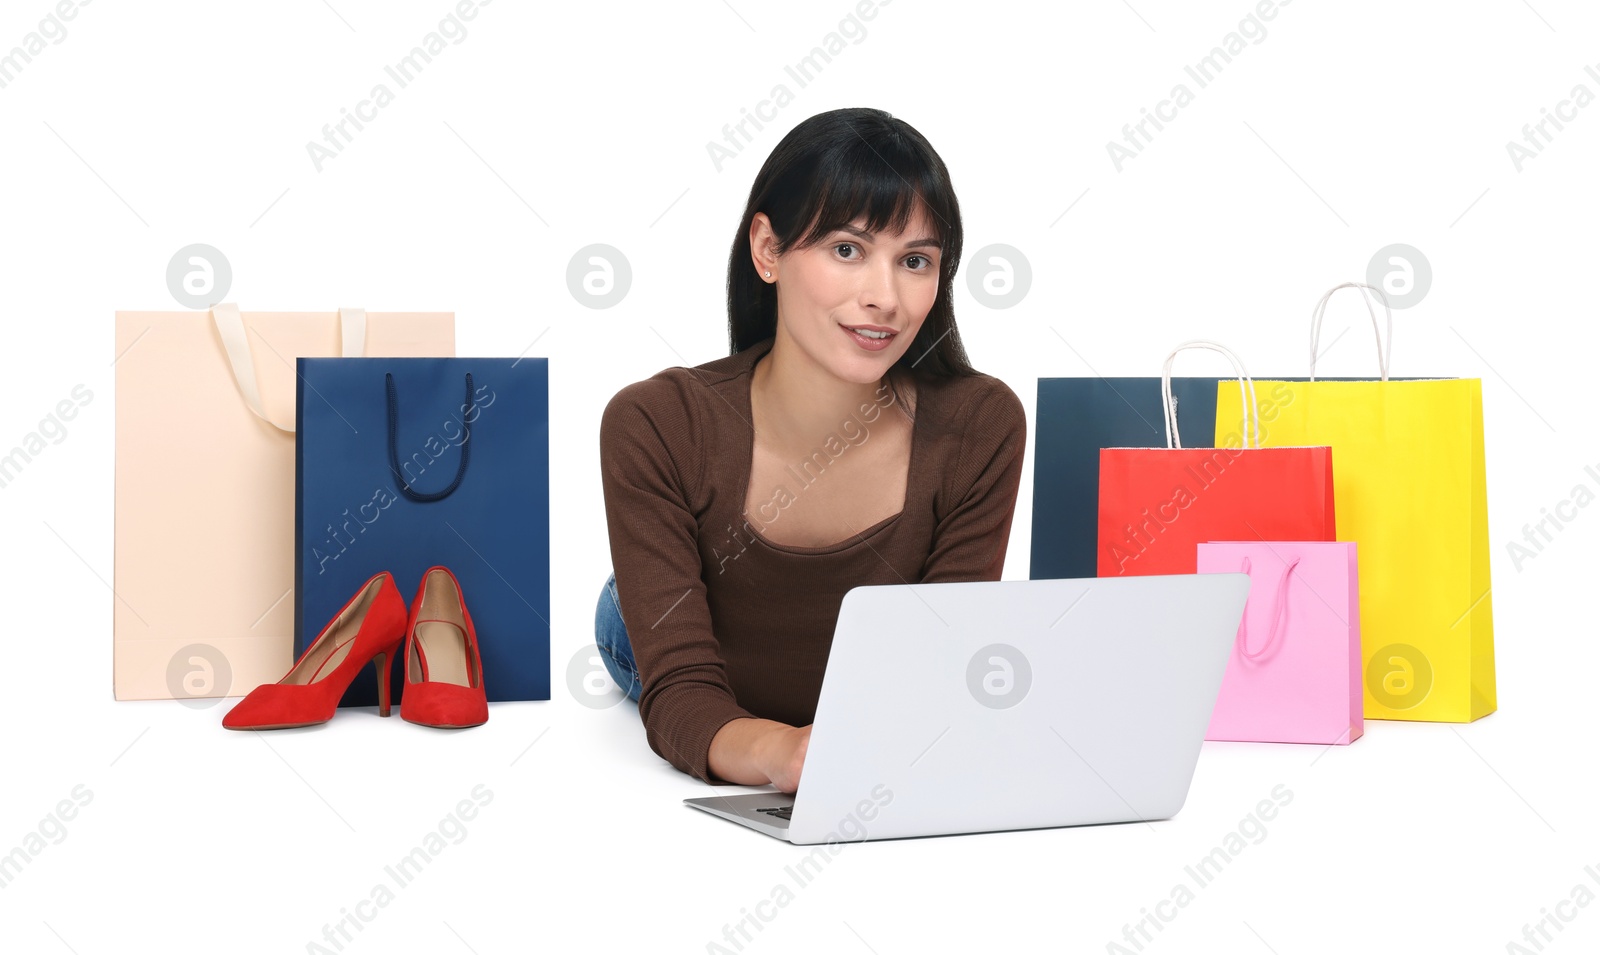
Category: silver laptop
[999,705]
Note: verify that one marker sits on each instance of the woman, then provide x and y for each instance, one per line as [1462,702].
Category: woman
[844,441]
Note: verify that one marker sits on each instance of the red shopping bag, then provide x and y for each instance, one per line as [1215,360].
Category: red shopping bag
[1157,504]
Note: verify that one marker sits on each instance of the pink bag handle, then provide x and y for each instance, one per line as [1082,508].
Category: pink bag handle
[1278,619]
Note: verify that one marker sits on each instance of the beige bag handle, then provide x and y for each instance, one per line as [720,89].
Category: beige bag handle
[230,325]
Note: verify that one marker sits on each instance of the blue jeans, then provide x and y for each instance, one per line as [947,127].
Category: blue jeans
[611,636]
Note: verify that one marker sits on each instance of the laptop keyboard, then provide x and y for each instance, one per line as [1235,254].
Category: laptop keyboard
[778,812]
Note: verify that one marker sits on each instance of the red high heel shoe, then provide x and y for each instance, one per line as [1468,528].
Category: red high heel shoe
[370,626]
[444,674]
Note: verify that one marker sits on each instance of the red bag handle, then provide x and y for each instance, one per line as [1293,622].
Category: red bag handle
[1250,435]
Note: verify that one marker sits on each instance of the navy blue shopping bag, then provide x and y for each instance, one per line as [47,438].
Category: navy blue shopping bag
[405,463]
[1076,417]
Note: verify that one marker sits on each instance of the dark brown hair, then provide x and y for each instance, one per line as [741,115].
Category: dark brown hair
[828,171]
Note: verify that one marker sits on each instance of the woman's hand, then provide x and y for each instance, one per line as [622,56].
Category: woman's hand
[755,752]
[785,755]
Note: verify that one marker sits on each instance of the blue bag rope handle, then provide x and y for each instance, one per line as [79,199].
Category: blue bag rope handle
[394,457]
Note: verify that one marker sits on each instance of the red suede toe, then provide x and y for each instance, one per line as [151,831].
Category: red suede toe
[444,705]
[278,706]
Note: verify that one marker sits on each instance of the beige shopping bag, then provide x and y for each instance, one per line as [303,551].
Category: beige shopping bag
[205,486]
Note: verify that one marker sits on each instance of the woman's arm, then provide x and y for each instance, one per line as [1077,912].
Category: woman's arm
[648,440]
[970,539]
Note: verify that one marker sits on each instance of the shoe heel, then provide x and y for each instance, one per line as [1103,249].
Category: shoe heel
[382,662]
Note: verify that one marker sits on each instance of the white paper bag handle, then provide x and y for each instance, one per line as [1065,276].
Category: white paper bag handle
[230,326]
[1385,341]
[1250,423]
[1278,619]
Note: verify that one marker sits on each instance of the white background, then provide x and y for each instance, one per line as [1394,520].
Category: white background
[549,127]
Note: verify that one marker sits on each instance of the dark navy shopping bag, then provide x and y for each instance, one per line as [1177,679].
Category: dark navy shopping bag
[1076,417]
[405,463]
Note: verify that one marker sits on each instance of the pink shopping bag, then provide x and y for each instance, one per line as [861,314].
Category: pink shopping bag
[1295,672]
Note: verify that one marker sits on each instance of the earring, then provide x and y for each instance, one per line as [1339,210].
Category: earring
[768,274]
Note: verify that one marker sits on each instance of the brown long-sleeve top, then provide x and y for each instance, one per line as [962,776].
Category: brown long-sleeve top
[726,624]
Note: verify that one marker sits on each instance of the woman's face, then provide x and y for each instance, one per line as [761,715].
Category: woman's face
[854,302]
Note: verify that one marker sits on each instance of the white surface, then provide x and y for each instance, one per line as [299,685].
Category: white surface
[1348,127]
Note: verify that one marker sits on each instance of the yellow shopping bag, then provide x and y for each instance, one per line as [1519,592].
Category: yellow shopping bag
[1409,488]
